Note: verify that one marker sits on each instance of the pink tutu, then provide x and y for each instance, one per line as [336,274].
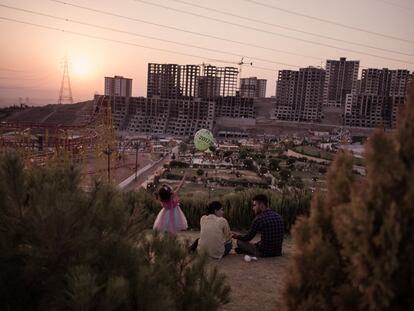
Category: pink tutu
[170,219]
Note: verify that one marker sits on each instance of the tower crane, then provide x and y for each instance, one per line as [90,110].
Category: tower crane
[241,63]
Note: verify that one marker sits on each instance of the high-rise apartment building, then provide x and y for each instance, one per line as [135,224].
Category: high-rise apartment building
[379,99]
[187,81]
[299,94]
[223,79]
[208,87]
[341,79]
[366,110]
[172,80]
[253,87]
[118,86]
[385,82]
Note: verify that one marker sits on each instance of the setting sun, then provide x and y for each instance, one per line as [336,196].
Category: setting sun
[80,67]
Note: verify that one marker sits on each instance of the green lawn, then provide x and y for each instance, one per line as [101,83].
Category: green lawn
[314,152]
[323,154]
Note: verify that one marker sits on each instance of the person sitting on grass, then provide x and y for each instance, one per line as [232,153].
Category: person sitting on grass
[215,234]
[269,224]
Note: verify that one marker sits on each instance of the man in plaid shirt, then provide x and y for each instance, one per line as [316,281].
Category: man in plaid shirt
[269,224]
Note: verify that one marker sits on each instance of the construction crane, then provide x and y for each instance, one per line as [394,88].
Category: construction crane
[241,63]
[203,65]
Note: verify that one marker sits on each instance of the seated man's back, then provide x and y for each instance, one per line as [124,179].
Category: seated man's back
[271,226]
[215,234]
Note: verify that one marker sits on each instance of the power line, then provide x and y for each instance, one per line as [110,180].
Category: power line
[126,43]
[183,30]
[293,29]
[145,36]
[271,32]
[329,21]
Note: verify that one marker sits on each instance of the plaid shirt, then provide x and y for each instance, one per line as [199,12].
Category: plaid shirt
[270,225]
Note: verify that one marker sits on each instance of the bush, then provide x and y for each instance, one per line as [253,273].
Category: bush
[263,170]
[200,172]
[291,161]
[274,164]
[63,249]
[322,170]
[249,164]
[356,250]
[173,176]
[178,164]
[238,211]
[284,175]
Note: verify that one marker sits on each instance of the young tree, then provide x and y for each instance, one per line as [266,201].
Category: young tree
[182,147]
[64,249]
[356,250]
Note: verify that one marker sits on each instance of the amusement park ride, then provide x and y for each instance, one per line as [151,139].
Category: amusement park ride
[39,142]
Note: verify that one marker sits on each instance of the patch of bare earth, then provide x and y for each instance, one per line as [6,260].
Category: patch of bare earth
[255,285]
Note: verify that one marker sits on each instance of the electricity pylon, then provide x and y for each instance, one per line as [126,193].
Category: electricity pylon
[65,94]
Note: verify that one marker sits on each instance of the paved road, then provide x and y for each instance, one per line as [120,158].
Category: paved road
[145,175]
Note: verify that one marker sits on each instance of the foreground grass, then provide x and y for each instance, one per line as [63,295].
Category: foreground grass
[255,285]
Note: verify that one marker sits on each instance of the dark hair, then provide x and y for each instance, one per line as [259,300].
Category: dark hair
[261,198]
[213,206]
[165,193]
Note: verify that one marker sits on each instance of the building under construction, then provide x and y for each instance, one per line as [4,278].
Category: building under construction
[174,81]
[182,99]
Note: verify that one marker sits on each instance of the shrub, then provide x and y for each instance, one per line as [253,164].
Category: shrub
[238,211]
[356,250]
[263,170]
[322,170]
[173,176]
[274,164]
[200,172]
[249,164]
[63,249]
[174,164]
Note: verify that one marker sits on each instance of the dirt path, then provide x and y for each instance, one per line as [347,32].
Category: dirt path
[295,154]
[255,285]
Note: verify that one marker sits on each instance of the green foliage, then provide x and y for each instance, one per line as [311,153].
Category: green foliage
[356,250]
[178,164]
[238,209]
[200,172]
[284,175]
[297,182]
[172,176]
[64,249]
[182,148]
[322,170]
[274,164]
[249,164]
[263,170]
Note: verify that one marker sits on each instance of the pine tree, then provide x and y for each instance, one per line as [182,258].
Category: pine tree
[64,249]
[356,250]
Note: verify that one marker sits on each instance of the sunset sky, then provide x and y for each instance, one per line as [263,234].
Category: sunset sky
[115,44]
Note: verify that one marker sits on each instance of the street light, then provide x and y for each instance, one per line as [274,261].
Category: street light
[108,151]
[136,147]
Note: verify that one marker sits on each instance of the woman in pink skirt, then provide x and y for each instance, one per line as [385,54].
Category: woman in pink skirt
[171,218]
